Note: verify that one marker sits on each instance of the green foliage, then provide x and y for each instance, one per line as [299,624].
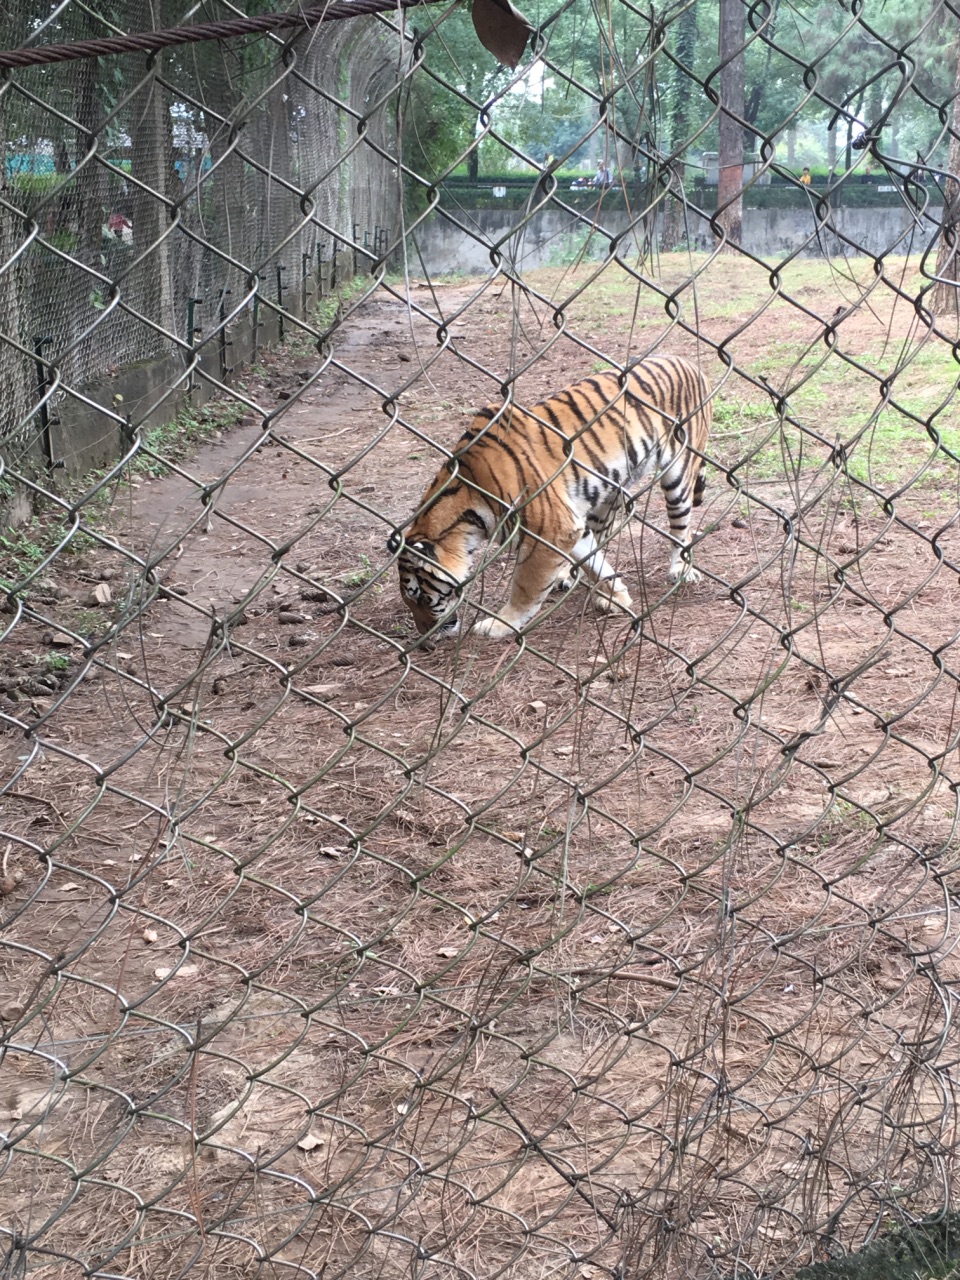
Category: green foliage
[357,577]
[23,549]
[480,195]
[439,125]
[35,186]
[658,100]
[854,195]
[929,1251]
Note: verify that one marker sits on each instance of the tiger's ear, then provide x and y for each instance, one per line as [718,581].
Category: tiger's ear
[394,541]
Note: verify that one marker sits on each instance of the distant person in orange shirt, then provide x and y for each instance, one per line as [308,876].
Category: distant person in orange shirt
[805,177]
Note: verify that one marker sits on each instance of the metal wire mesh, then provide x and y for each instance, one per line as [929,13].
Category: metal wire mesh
[628,949]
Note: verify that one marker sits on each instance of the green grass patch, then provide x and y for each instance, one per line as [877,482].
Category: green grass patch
[24,549]
[775,323]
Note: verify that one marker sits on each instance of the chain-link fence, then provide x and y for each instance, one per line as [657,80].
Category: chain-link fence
[625,946]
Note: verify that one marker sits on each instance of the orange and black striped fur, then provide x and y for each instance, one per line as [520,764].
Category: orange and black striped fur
[563,470]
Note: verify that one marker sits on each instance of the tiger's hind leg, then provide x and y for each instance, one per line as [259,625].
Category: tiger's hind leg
[678,483]
[611,590]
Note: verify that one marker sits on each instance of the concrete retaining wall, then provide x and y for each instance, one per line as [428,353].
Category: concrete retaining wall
[553,237]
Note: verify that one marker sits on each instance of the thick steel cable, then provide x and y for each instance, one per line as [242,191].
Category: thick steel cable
[151,41]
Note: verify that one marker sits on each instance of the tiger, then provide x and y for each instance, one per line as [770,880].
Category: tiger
[561,471]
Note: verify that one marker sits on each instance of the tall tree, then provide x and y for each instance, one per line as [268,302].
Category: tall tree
[945,299]
[680,123]
[730,180]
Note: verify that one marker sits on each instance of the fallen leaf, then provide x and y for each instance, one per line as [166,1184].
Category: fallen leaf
[185,971]
[310,1142]
[102,593]
[501,29]
[449,952]
[150,935]
[322,690]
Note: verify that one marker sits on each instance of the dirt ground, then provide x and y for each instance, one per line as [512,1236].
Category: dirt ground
[631,946]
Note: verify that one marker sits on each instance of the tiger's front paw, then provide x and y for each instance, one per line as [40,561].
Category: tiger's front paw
[607,602]
[684,573]
[493,629]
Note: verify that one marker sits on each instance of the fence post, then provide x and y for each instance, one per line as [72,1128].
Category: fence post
[192,304]
[281,331]
[224,342]
[257,322]
[43,383]
[304,276]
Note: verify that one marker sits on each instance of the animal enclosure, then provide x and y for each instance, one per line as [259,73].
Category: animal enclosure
[626,948]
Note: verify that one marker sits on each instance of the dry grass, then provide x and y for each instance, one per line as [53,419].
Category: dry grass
[626,948]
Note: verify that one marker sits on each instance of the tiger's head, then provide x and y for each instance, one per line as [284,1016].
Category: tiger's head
[435,555]
[430,590]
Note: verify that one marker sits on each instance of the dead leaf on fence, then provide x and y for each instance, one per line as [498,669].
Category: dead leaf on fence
[502,29]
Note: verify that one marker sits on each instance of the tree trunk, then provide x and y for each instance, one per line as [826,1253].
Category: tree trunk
[674,230]
[944,300]
[730,181]
[150,283]
[791,148]
[832,149]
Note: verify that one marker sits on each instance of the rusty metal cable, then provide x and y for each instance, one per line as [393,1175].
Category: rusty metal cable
[152,41]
